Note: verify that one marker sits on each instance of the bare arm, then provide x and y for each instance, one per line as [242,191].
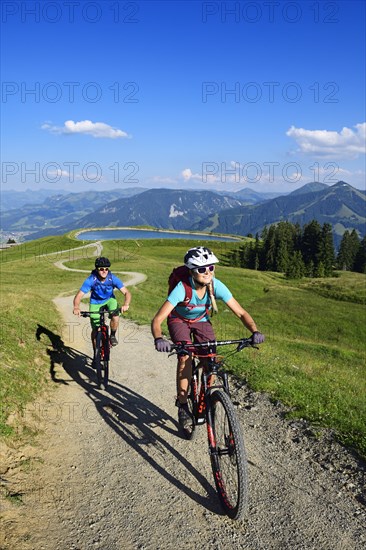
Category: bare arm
[243,315]
[77,300]
[161,315]
[127,295]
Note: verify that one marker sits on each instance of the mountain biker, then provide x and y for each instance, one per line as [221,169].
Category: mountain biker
[101,284]
[192,320]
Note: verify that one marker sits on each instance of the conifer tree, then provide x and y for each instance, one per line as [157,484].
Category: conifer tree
[284,240]
[311,246]
[343,260]
[320,270]
[360,259]
[296,268]
[270,250]
[354,243]
[327,250]
[243,255]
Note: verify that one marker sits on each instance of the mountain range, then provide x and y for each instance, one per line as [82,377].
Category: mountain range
[66,211]
[240,213]
[56,210]
[9,200]
[341,205]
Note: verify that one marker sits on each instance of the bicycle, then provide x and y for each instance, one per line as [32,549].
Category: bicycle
[209,402]
[102,345]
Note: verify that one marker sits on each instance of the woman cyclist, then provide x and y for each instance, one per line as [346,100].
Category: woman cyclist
[187,321]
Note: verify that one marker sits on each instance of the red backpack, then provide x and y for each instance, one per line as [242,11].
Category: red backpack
[181,274]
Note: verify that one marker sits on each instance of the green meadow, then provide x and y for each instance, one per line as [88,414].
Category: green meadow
[313,359]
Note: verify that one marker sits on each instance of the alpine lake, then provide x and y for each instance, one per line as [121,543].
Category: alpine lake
[135,234]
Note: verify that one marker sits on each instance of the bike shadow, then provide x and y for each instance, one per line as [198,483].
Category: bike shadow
[138,421]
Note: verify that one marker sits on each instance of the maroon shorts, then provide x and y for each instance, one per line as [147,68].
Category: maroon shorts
[199,332]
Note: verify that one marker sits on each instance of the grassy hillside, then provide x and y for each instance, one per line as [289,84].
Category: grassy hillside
[313,359]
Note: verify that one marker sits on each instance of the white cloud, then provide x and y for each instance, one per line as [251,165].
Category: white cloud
[347,143]
[95,129]
[188,175]
[57,174]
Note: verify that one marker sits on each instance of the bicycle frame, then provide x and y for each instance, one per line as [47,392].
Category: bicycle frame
[209,377]
[104,330]
[210,371]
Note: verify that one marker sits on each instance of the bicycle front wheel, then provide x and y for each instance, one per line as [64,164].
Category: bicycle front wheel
[98,358]
[228,457]
[105,355]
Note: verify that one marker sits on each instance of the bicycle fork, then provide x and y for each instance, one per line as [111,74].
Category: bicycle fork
[212,444]
[200,399]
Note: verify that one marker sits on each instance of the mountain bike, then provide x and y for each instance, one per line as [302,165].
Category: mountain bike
[209,402]
[102,345]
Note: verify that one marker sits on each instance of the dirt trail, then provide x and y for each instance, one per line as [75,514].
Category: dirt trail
[133,277]
[112,473]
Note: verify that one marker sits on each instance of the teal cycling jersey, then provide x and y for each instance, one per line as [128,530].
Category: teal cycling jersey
[198,307]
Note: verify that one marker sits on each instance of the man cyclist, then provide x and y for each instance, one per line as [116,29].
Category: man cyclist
[192,320]
[101,284]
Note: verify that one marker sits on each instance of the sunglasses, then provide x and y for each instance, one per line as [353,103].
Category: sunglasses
[204,269]
[103,268]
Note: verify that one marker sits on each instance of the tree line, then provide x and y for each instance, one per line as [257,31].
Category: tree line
[297,251]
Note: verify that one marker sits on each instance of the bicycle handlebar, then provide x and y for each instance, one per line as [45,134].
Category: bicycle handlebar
[100,312]
[242,343]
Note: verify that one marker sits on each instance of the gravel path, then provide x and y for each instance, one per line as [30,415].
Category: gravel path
[115,474]
[111,472]
[131,278]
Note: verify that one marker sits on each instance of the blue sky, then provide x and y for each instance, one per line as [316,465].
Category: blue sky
[215,95]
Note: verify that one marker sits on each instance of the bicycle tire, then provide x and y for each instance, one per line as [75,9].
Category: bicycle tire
[228,457]
[106,350]
[98,358]
[190,430]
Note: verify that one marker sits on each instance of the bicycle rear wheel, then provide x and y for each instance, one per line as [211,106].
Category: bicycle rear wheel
[106,373]
[228,457]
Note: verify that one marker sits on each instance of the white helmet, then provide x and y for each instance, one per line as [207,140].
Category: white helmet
[199,256]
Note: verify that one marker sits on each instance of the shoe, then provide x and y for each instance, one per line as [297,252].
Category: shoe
[94,364]
[113,340]
[184,416]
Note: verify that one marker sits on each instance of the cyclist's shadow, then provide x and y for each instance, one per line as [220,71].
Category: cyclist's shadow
[60,354]
[133,417]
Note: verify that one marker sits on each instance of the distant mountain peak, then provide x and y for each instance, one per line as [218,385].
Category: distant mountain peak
[341,184]
[313,187]
[340,205]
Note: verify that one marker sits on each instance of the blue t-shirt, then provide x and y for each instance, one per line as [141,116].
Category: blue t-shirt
[101,291]
[197,306]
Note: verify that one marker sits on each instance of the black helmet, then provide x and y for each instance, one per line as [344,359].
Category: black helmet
[102,262]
